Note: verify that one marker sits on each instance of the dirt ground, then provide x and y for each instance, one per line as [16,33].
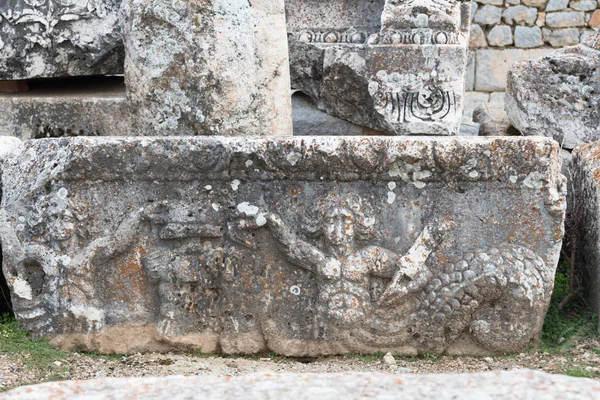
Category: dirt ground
[582,359]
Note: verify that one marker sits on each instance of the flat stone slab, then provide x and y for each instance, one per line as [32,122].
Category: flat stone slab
[52,38]
[522,384]
[302,246]
[557,95]
[87,108]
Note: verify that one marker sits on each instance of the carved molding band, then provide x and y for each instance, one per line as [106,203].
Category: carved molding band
[393,37]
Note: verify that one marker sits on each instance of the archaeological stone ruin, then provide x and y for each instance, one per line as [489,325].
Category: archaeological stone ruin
[294,176]
[394,66]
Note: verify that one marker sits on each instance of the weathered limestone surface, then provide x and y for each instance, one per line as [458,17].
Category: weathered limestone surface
[308,120]
[299,246]
[7,144]
[558,95]
[397,67]
[585,174]
[208,68]
[50,38]
[42,114]
[514,385]
[93,108]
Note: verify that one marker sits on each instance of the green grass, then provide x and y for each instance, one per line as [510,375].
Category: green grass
[580,373]
[575,320]
[35,354]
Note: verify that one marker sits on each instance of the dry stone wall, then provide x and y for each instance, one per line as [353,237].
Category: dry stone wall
[506,31]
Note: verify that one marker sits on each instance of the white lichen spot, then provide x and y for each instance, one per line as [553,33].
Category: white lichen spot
[391,197]
[247,208]
[62,193]
[208,187]
[534,180]
[64,260]
[20,227]
[235,184]
[513,178]
[216,207]
[294,157]
[419,185]
[22,289]
[295,290]
[370,221]
[473,174]
[249,163]
[261,220]
[392,185]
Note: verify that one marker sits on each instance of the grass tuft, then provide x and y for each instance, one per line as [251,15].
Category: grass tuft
[575,320]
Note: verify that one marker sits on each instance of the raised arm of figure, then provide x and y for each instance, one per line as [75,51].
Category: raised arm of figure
[299,252]
[117,243]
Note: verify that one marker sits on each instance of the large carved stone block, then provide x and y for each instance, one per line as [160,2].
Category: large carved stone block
[301,246]
[558,95]
[50,38]
[208,68]
[395,66]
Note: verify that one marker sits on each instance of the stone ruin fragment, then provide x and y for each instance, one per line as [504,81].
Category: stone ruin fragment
[302,246]
[585,173]
[56,38]
[200,68]
[395,66]
[558,95]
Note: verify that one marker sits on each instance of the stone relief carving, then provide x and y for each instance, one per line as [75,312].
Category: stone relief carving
[46,14]
[344,264]
[66,264]
[345,70]
[471,290]
[268,251]
[44,38]
[391,37]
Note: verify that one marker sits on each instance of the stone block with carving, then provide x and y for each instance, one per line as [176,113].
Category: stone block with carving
[394,66]
[306,246]
[207,67]
[558,95]
[51,38]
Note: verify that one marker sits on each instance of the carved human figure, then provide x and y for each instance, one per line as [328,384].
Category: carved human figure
[60,274]
[344,266]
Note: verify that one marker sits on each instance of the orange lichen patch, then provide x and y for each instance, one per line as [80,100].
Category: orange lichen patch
[130,282]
